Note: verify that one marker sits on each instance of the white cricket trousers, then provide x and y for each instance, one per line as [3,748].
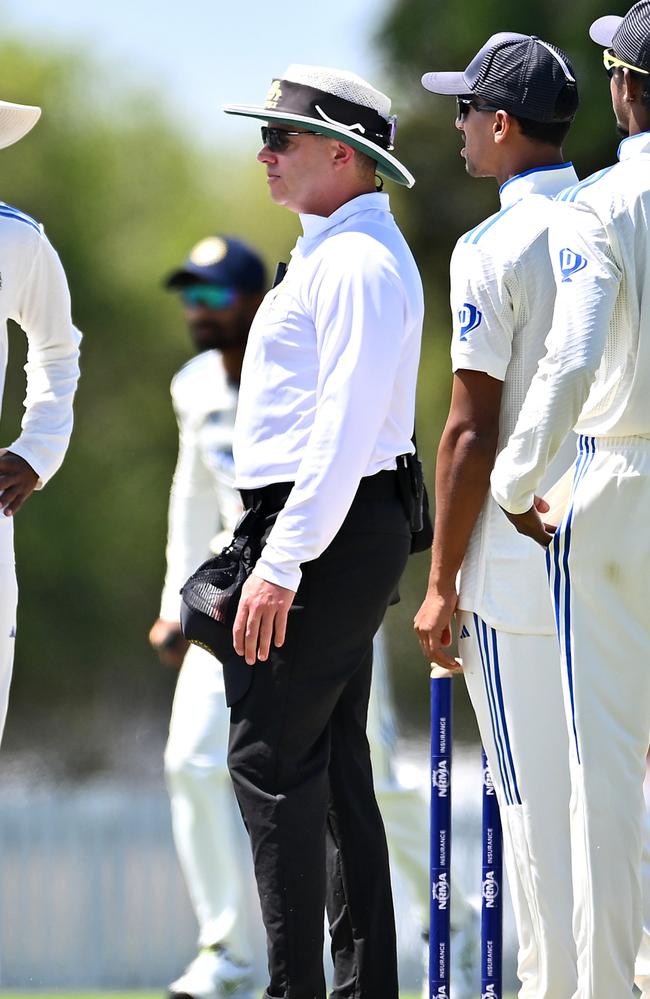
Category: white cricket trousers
[515,685]
[8,604]
[599,567]
[210,837]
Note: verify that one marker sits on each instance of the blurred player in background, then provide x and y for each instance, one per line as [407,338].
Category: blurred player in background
[35,295]
[221,285]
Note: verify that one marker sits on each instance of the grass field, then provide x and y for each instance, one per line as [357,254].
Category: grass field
[137,995]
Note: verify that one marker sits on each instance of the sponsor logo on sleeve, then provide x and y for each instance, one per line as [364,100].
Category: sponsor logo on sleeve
[464,632]
[571,263]
[469,318]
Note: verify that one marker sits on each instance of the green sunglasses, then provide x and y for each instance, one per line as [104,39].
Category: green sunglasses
[211,296]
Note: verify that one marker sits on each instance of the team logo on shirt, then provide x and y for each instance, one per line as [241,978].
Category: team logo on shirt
[571,263]
[469,318]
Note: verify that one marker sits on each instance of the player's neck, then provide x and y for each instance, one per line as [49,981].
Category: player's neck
[233,359]
[537,157]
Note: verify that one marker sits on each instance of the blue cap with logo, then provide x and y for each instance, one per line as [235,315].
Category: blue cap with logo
[224,261]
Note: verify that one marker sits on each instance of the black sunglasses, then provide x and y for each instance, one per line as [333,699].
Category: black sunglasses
[277,139]
[465,104]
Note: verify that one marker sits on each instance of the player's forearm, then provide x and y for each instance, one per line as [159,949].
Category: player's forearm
[465,460]
[47,423]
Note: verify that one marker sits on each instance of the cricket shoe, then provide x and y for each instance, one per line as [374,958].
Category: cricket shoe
[213,974]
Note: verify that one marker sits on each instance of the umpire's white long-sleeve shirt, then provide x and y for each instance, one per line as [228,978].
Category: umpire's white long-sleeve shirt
[328,385]
[596,372]
[34,293]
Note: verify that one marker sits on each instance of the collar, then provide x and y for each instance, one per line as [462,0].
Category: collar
[634,145]
[314,226]
[547,181]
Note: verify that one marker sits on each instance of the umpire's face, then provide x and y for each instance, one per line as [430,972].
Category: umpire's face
[302,175]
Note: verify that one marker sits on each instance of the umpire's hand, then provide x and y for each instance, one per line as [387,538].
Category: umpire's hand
[18,480]
[261,618]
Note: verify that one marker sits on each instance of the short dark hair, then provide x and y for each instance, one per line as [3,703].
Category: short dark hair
[366,163]
[552,133]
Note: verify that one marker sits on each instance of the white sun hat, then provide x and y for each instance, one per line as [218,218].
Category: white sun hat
[336,103]
[16,120]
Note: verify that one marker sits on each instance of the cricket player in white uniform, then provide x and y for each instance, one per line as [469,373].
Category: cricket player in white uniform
[33,293]
[220,283]
[596,377]
[516,101]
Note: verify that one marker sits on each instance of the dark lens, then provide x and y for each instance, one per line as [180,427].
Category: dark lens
[462,108]
[275,139]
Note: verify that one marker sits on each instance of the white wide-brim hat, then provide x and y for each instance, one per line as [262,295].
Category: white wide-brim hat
[338,104]
[16,120]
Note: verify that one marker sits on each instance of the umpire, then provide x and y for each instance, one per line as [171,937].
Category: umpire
[326,405]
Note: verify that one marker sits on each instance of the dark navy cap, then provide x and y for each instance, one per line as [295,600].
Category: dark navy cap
[224,261]
[520,73]
[628,36]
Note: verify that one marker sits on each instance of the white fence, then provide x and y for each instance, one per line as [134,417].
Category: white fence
[91,895]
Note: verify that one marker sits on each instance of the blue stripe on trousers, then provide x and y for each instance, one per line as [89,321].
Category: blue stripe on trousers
[562,574]
[494,691]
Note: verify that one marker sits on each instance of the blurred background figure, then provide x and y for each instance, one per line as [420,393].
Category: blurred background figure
[221,285]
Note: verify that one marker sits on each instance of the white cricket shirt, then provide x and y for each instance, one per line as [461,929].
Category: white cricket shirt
[502,292]
[34,293]
[328,385]
[203,499]
[596,374]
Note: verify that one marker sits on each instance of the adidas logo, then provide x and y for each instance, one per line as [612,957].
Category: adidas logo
[464,632]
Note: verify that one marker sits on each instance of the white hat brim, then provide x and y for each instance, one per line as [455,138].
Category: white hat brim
[16,120]
[603,30]
[449,84]
[387,165]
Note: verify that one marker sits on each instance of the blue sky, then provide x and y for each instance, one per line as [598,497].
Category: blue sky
[202,53]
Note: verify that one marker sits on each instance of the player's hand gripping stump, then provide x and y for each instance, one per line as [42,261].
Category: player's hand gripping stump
[440,860]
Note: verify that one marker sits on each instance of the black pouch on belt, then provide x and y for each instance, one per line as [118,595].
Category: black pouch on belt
[414,496]
[210,597]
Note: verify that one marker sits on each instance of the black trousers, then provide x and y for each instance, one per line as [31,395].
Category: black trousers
[300,765]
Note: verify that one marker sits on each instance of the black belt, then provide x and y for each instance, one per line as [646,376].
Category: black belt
[382,485]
